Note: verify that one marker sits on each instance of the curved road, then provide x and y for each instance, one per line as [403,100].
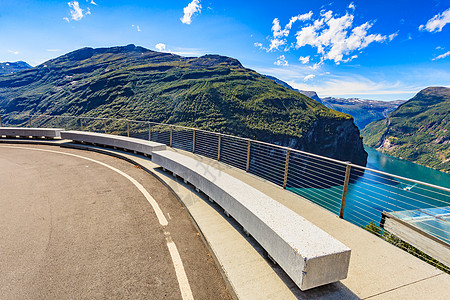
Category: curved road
[78,224]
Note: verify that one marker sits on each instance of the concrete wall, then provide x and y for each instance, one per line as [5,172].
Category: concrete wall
[133,144]
[27,132]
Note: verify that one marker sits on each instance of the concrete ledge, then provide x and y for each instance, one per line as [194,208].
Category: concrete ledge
[122,142]
[33,132]
[310,256]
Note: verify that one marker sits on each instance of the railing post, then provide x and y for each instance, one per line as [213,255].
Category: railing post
[218,146]
[104,125]
[29,121]
[248,156]
[128,128]
[81,123]
[193,141]
[288,152]
[149,131]
[57,122]
[344,190]
[1,124]
[171,135]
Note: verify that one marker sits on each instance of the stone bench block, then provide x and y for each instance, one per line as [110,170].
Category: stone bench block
[309,255]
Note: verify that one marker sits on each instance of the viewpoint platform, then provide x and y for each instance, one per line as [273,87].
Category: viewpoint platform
[89,221]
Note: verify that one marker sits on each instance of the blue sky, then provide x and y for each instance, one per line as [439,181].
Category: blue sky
[383,50]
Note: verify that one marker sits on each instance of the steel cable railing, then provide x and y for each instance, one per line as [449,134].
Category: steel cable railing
[363,196]
[206,144]
[234,151]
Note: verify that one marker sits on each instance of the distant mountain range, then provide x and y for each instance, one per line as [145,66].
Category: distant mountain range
[210,92]
[11,67]
[418,130]
[363,111]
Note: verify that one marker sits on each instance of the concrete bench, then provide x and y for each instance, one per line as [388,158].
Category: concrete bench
[14,132]
[122,142]
[310,256]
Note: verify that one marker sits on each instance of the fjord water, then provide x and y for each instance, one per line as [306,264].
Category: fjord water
[389,164]
[371,194]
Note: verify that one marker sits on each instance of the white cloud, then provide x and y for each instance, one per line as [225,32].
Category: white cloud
[442,55]
[52,50]
[316,65]
[437,22]
[303,17]
[350,58]
[160,47]
[304,59]
[278,34]
[335,38]
[309,77]
[276,28]
[137,27]
[192,8]
[352,6]
[14,52]
[92,2]
[258,45]
[66,19]
[281,61]
[275,44]
[76,12]
[392,36]
[439,48]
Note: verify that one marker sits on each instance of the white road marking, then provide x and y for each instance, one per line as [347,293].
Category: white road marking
[183,281]
[159,214]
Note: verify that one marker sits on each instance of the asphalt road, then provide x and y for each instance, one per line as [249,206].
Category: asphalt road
[72,228]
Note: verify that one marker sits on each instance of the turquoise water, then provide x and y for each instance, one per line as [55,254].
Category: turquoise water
[389,164]
[370,194]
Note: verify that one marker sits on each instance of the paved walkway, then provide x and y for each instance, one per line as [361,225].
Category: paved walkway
[77,224]
[378,270]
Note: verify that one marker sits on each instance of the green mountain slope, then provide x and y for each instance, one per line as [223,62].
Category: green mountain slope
[211,92]
[418,131]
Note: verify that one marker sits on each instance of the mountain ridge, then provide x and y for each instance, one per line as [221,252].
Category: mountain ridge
[418,130]
[363,111]
[211,92]
[12,67]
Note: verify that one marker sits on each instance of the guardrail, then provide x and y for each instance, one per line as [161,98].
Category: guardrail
[358,194]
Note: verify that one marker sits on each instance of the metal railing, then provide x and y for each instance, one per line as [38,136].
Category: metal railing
[358,194]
